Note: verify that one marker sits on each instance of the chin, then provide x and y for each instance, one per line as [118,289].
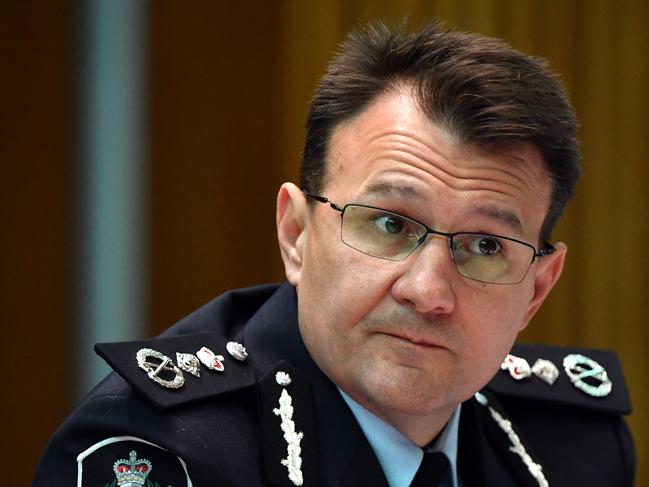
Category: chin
[418,405]
[405,397]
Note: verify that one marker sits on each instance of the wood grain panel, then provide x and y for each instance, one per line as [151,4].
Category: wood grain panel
[35,215]
[213,138]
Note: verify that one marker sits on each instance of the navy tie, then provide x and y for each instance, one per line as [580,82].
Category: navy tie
[431,471]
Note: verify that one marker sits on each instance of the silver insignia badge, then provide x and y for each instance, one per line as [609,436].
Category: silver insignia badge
[283,379]
[579,367]
[237,351]
[545,370]
[154,369]
[189,363]
[210,360]
[481,398]
[518,367]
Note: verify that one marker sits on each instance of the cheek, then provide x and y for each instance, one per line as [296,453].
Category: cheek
[338,289]
[493,322]
[342,284]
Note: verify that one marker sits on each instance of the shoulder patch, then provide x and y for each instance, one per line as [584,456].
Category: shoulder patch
[565,389]
[128,460]
[180,369]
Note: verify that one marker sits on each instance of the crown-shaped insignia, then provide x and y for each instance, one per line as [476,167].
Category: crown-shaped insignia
[132,472]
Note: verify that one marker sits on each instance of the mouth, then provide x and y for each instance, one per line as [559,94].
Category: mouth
[419,341]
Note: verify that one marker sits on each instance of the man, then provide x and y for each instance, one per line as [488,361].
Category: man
[416,249]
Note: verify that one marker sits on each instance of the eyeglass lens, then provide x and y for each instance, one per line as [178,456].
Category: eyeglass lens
[386,235]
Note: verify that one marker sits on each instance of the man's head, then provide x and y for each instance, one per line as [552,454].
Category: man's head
[452,146]
[477,89]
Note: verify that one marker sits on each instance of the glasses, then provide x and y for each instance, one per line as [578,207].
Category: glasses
[388,235]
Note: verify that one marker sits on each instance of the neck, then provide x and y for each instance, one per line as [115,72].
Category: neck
[420,428]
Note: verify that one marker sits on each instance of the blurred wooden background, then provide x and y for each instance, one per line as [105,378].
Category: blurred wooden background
[228,87]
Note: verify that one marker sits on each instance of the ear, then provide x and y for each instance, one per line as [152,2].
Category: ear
[548,269]
[291,219]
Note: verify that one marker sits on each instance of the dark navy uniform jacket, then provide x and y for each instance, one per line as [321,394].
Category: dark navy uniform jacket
[220,429]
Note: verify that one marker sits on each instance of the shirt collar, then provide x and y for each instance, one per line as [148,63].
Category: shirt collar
[399,457]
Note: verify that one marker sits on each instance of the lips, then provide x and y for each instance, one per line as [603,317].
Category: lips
[422,341]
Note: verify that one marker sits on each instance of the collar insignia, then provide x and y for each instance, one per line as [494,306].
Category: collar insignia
[545,370]
[516,447]
[518,367]
[210,360]
[293,460]
[160,369]
[237,351]
[579,368]
[157,371]
[189,363]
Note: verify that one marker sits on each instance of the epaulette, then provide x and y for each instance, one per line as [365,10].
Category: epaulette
[170,371]
[579,377]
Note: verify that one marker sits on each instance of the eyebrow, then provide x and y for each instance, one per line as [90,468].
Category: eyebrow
[507,217]
[383,188]
[389,189]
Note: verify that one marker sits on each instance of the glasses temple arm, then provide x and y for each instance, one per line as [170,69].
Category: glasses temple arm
[549,250]
[322,199]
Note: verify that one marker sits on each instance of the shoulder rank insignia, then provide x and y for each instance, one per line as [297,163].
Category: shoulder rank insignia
[155,370]
[545,370]
[518,367]
[164,384]
[237,351]
[579,368]
[189,363]
[581,377]
[210,360]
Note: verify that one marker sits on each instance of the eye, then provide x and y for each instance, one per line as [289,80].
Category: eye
[391,224]
[484,245]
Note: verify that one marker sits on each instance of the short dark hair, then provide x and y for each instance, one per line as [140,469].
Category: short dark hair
[477,88]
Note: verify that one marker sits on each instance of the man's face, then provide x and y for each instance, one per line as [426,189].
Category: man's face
[413,337]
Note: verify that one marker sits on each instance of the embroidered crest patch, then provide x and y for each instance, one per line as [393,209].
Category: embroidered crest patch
[129,461]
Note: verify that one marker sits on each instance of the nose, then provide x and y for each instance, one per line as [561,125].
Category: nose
[426,280]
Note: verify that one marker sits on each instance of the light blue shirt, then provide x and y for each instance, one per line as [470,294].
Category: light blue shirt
[399,457]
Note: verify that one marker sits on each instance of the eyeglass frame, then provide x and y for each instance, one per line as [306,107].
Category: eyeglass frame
[537,253]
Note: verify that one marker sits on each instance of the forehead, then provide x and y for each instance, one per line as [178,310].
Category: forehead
[391,151]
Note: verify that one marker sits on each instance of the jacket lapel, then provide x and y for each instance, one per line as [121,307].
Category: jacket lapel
[485,457]
[478,463]
[363,469]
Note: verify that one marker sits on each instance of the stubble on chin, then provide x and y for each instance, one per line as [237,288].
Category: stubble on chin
[387,388]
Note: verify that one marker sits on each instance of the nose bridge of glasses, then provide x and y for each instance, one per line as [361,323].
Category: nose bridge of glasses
[436,235]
